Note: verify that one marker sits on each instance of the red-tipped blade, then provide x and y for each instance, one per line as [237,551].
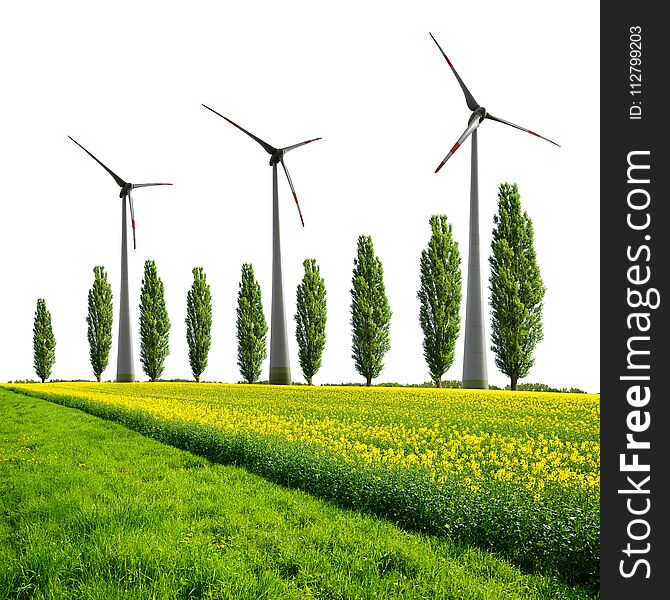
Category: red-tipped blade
[269,149]
[289,148]
[295,196]
[469,99]
[132,219]
[455,147]
[475,123]
[114,175]
[490,116]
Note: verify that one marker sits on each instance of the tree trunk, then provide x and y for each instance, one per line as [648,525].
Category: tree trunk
[438,382]
[368,380]
[513,381]
[309,381]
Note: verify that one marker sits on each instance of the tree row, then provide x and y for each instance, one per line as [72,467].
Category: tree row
[516,300]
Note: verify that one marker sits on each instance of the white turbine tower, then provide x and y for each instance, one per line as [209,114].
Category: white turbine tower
[280,369]
[125,370]
[474,356]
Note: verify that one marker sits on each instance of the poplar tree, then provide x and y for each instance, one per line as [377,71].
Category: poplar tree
[310,319]
[154,323]
[99,320]
[517,291]
[252,328]
[370,312]
[198,322]
[44,342]
[440,298]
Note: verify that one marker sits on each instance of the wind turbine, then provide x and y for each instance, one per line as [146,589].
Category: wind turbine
[280,369]
[474,357]
[124,364]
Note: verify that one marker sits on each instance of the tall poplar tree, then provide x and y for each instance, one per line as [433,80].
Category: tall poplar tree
[252,328]
[440,298]
[198,322]
[154,323]
[99,320]
[517,290]
[44,342]
[310,319]
[370,312]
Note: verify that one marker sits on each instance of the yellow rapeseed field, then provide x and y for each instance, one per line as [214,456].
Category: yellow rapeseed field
[531,439]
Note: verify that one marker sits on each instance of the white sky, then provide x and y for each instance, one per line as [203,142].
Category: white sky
[127,81]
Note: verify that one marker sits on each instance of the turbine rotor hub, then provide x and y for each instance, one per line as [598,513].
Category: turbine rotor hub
[276,157]
[125,190]
[479,112]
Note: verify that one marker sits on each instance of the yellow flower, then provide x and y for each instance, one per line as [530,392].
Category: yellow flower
[527,438]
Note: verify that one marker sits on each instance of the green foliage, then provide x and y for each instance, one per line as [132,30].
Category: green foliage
[444,383]
[516,288]
[44,342]
[198,322]
[370,312]
[440,298]
[99,319]
[154,323]
[311,319]
[455,383]
[252,329]
[543,387]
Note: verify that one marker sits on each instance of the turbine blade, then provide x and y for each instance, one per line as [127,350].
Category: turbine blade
[269,149]
[471,102]
[476,123]
[295,197]
[114,175]
[136,185]
[132,218]
[490,116]
[289,148]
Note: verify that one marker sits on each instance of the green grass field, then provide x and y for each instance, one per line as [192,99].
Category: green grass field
[514,473]
[92,510]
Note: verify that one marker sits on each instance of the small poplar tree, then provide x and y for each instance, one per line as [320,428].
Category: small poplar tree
[154,323]
[310,319]
[440,298]
[370,312]
[198,322]
[99,320]
[44,342]
[516,288]
[252,328]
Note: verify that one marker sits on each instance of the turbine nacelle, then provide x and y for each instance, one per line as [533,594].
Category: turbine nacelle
[276,157]
[125,190]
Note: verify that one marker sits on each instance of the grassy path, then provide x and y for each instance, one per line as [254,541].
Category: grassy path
[89,509]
